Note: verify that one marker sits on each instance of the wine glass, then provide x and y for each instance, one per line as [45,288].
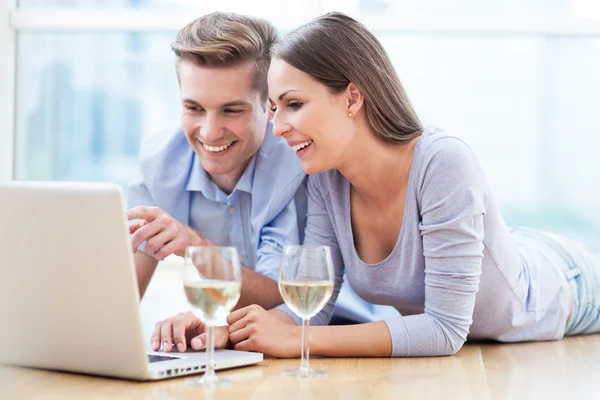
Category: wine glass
[306,284]
[212,280]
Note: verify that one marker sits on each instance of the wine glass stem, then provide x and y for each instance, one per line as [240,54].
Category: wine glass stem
[209,373]
[304,363]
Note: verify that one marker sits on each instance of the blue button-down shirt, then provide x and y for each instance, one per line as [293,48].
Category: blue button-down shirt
[223,218]
[265,211]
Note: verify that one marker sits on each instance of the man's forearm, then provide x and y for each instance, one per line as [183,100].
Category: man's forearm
[145,266]
[258,289]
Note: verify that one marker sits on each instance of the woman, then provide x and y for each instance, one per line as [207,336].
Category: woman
[409,216]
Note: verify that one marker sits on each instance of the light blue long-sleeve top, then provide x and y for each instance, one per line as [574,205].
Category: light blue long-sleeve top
[457,270]
[265,211]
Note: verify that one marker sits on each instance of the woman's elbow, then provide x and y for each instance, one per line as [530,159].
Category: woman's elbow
[451,345]
[451,338]
[450,349]
[454,346]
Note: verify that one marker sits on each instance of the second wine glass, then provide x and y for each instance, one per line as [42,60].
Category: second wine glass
[212,280]
[306,285]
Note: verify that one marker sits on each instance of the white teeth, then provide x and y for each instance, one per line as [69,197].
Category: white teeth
[216,149]
[301,145]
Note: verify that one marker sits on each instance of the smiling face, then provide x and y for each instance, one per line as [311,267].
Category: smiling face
[312,120]
[223,117]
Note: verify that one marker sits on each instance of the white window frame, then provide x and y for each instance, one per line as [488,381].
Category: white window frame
[7,91]
[164,21]
[14,20]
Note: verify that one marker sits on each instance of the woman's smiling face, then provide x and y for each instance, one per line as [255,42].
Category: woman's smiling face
[314,121]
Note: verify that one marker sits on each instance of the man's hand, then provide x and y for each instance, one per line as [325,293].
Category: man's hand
[162,233]
[185,329]
[253,328]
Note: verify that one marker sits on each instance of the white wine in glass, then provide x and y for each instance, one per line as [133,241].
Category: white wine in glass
[306,298]
[306,285]
[213,299]
[212,281]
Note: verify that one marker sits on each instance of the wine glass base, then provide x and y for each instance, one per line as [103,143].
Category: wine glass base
[209,383]
[305,373]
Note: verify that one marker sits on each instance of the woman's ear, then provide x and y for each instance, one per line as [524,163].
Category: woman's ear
[355,99]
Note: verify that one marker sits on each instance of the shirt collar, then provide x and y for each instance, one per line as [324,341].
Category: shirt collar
[245,182]
[199,181]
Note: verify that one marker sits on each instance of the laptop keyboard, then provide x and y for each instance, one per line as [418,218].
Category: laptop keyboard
[156,358]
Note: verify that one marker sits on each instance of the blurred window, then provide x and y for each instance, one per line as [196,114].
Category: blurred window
[518,80]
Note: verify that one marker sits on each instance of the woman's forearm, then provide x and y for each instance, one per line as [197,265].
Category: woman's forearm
[282,316]
[364,340]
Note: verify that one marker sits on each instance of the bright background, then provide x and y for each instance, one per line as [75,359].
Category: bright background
[84,80]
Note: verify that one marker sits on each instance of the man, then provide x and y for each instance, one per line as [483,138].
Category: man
[224,178]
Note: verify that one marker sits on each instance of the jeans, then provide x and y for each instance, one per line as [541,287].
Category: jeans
[582,270]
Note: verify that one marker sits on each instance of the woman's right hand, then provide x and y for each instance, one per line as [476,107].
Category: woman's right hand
[185,329]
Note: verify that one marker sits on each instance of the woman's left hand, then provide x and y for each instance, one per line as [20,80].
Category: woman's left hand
[253,328]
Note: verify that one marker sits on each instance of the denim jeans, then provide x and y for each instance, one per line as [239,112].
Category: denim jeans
[582,270]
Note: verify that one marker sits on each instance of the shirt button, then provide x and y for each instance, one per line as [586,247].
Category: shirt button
[242,259]
[232,210]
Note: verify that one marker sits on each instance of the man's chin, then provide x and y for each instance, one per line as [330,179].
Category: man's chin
[217,170]
[227,167]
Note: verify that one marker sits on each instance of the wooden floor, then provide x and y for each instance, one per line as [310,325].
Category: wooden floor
[566,369]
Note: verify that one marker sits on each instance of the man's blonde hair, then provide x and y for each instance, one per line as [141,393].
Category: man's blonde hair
[224,39]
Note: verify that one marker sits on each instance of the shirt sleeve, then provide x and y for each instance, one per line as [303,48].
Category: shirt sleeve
[452,199]
[319,231]
[138,195]
[280,232]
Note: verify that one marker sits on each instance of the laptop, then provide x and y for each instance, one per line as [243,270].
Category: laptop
[68,293]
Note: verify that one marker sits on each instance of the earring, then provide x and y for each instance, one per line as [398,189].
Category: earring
[350,114]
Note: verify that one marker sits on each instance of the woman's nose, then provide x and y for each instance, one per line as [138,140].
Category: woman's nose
[280,127]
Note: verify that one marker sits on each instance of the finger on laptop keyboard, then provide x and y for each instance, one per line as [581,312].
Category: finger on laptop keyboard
[180,325]
[221,339]
[166,332]
[221,336]
[197,343]
[155,338]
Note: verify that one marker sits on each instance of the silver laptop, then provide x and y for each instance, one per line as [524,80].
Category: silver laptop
[68,292]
